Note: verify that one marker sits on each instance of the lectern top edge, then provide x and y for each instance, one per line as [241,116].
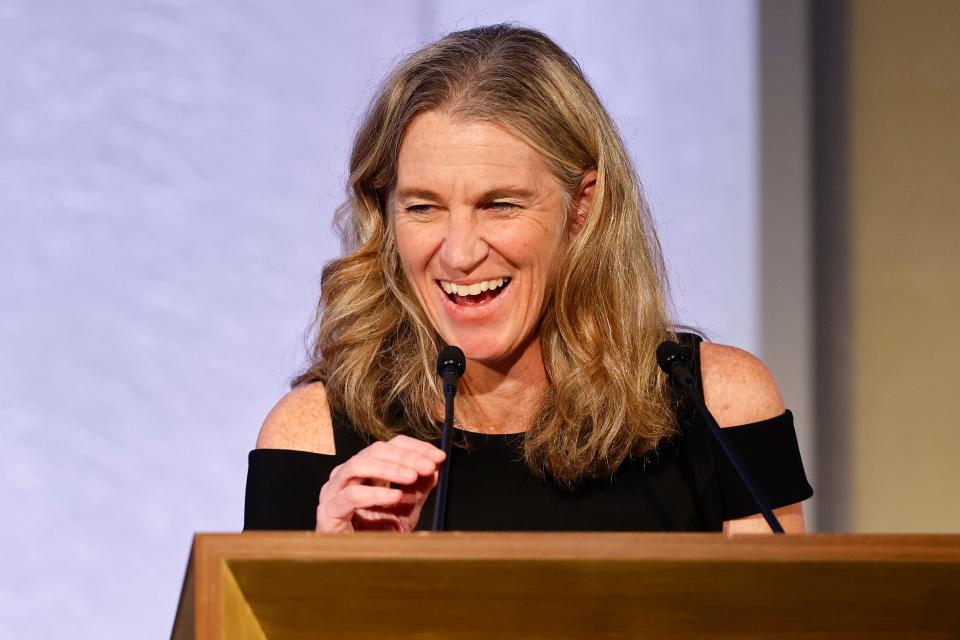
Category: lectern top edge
[576,546]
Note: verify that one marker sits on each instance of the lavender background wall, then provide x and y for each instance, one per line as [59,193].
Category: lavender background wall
[167,174]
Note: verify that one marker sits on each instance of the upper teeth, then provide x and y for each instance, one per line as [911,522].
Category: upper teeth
[472,289]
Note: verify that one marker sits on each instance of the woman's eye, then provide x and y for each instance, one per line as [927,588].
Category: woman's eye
[419,208]
[422,209]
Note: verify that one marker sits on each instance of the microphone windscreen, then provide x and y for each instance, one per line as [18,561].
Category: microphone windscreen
[670,352]
[451,358]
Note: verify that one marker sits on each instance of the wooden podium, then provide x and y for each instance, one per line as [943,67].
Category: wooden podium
[561,585]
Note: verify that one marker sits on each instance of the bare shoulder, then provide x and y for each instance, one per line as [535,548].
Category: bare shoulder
[301,421]
[737,387]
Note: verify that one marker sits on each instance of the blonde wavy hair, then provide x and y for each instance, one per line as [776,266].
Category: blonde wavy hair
[375,351]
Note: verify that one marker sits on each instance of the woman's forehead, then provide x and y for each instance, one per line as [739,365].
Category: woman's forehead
[440,150]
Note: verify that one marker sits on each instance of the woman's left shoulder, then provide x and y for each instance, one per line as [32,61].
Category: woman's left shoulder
[737,387]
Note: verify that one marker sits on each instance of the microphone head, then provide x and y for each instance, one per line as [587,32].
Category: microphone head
[451,359]
[670,353]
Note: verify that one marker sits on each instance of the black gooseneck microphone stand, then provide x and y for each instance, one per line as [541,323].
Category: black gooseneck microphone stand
[674,359]
[451,363]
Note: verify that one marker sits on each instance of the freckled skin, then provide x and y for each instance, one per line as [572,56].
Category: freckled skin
[460,237]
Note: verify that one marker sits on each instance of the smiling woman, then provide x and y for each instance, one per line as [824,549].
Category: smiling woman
[492,206]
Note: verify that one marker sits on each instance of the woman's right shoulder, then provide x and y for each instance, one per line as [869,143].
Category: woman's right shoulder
[301,421]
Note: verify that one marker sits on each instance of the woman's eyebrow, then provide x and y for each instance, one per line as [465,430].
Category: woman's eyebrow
[414,192]
[506,192]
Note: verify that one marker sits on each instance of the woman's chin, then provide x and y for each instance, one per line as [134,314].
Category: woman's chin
[478,349]
[485,357]
[493,354]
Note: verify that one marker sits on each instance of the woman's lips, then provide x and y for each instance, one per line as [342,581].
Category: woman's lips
[471,304]
[476,294]
[481,298]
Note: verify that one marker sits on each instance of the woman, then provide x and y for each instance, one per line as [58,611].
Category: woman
[493,206]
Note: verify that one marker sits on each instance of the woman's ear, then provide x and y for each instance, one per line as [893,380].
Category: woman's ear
[583,201]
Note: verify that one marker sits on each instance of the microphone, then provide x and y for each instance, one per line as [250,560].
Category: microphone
[451,363]
[675,359]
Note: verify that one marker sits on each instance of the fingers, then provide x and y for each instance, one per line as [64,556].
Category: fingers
[423,485]
[366,467]
[414,496]
[418,491]
[361,483]
[420,456]
[383,462]
[424,448]
[341,505]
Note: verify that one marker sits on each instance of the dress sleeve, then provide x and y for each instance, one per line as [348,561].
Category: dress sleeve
[283,488]
[770,452]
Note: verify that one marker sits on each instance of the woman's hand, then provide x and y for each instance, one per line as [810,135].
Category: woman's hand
[358,495]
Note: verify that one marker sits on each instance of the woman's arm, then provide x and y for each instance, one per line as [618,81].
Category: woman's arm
[739,389]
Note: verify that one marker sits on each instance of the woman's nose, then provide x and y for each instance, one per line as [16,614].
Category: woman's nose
[463,247]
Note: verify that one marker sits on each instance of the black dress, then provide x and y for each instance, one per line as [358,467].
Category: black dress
[686,484]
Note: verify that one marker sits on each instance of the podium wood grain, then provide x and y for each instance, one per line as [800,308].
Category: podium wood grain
[560,585]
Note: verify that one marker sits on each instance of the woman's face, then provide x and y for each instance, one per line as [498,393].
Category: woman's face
[479,222]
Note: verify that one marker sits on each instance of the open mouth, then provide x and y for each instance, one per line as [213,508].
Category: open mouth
[473,294]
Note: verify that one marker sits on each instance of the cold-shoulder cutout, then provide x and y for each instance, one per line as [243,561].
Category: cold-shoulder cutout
[300,421]
[737,387]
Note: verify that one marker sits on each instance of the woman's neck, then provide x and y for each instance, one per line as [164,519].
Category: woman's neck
[502,397]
